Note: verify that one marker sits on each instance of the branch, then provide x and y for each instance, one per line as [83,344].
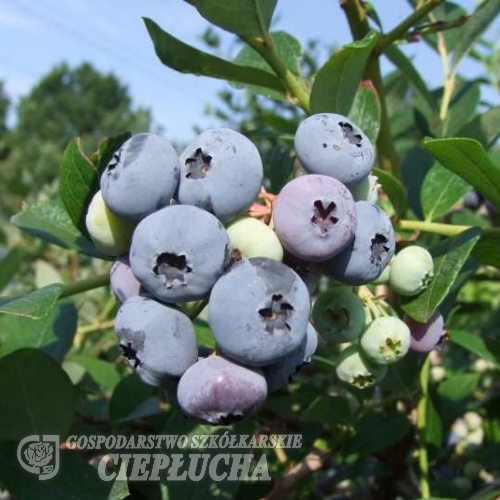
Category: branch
[423,459]
[442,229]
[386,151]
[295,87]
[403,27]
[84,285]
[314,461]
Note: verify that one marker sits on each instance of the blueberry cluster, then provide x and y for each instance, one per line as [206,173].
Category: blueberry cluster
[175,224]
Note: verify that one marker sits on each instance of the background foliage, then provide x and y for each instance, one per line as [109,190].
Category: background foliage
[60,367]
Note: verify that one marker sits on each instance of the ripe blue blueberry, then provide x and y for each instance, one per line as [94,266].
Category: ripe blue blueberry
[385,340]
[157,340]
[217,391]
[221,172]
[425,336]
[179,252]
[258,311]
[141,177]
[412,271]
[279,374]
[355,369]
[339,315]
[371,250]
[314,217]
[331,144]
[123,283]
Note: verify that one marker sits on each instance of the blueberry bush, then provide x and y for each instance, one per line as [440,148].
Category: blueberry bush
[325,263]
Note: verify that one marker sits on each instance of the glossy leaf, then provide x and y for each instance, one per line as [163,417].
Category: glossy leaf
[337,81]
[365,110]
[76,479]
[10,264]
[78,182]
[475,26]
[104,373]
[468,159]
[132,399]
[50,221]
[394,189]
[241,17]
[289,51]
[33,305]
[484,347]
[449,258]
[186,59]
[328,410]
[441,190]
[119,491]
[390,429]
[459,386]
[53,334]
[36,396]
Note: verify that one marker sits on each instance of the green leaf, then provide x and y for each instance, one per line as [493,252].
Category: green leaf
[36,396]
[449,258]
[49,221]
[338,79]
[186,59]
[404,64]
[33,305]
[289,51]
[468,159]
[241,17]
[484,128]
[476,25]
[365,110]
[204,336]
[133,399]
[10,264]
[462,107]
[78,182]
[76,479]
[104,373]
[106,149]
[434,426]
[378,431]
[459,386]
[53,334]
[441,190]
[487,251]
[328,410]
[394,189]
[119,491]
[484,347]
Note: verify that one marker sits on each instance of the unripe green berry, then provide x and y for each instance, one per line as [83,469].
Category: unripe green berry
[110,234]
[412,270]
[385,340]
[252,238]
[339,315]
[367,189]
[354,369]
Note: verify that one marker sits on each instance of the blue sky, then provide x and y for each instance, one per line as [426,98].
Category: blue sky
[37,34]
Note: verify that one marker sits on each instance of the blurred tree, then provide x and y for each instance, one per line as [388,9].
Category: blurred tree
[67,102]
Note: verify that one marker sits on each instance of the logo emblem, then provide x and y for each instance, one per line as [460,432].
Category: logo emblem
[39,455]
